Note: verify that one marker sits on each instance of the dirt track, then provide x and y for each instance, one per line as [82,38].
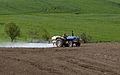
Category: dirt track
[89,59]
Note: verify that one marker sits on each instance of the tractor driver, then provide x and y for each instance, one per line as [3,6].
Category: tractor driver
[65,35]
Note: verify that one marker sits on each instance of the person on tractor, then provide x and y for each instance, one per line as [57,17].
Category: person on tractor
[72,33]
[65,36]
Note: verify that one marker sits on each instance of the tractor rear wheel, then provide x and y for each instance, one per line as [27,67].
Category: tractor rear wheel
[78,44]
[59,43]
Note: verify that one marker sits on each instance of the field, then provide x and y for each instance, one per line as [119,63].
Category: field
[102,27]
[89,59]
[58,6]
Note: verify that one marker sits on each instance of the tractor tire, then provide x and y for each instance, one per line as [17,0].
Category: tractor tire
[70,44]
[78,44]
[59,43]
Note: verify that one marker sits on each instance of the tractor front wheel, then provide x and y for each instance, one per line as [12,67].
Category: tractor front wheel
[59,43]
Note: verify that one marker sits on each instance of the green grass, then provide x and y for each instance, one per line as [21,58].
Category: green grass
[100,27]
[59,6]
[98,18]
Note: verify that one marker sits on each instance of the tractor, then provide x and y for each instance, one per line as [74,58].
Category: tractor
[69,41]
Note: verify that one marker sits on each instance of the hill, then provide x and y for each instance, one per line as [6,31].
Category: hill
[58,6]
[98,18]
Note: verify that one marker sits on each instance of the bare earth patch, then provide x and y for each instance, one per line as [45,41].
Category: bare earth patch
[89,59]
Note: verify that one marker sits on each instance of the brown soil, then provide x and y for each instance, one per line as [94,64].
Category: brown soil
[89,59]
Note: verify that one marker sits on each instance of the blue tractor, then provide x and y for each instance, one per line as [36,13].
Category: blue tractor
[69,41]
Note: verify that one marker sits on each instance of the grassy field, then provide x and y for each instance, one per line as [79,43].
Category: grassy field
[98,18]
[59,6]
[100,27]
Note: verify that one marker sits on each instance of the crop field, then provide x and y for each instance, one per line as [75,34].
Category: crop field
[58,6]
[102,28]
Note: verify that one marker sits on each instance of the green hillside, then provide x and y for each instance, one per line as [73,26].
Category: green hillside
[100,27]
[58,6]
[116,1]
[98,18]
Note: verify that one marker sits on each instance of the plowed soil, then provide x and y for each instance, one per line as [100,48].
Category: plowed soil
[89,59]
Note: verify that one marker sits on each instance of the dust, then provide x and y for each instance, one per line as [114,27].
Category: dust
[27,45]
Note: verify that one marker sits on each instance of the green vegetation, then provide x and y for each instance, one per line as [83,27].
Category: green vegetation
[38,34]
[100,27]
[98,18]
[12,30]
[85,38]
[59,6]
